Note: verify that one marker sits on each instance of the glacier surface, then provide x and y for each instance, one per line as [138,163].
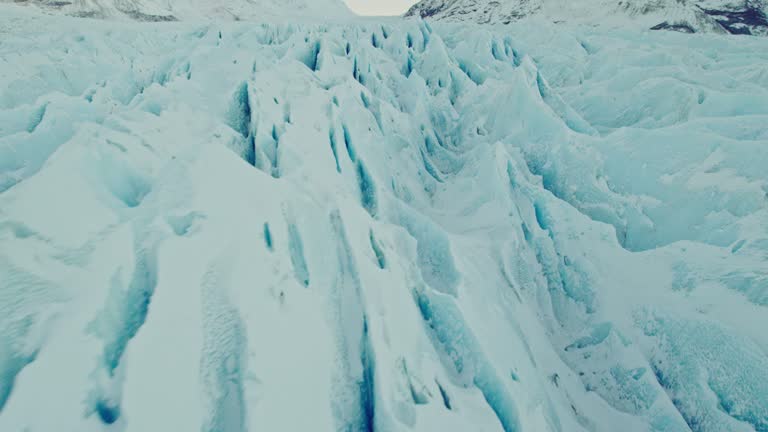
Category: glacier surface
[381,224]
[184,10]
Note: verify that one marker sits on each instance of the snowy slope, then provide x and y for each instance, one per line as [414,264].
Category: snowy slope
[175,10]
[380,225]
[709,16]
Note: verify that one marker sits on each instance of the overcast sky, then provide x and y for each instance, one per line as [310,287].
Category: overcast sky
[379,7]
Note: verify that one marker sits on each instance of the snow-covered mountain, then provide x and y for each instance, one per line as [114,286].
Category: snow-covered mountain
[718,16]
[380,225]
[175,10]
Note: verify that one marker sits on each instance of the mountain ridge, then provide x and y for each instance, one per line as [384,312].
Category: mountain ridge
[182,10]
[689,16]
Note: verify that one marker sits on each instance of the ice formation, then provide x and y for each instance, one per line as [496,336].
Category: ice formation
[381,225]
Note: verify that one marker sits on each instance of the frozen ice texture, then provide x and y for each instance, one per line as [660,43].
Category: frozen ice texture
[380,225]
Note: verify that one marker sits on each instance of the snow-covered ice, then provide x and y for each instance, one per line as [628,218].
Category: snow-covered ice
[380,224]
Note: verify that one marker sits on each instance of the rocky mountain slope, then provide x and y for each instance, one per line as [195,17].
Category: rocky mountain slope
[717,16]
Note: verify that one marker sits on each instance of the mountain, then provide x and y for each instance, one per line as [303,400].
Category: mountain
[175,10]
[715,16]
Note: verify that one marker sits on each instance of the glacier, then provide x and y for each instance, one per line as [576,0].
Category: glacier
[185,10]
[379,224]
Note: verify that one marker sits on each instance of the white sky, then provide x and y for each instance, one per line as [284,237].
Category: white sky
[379,7]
